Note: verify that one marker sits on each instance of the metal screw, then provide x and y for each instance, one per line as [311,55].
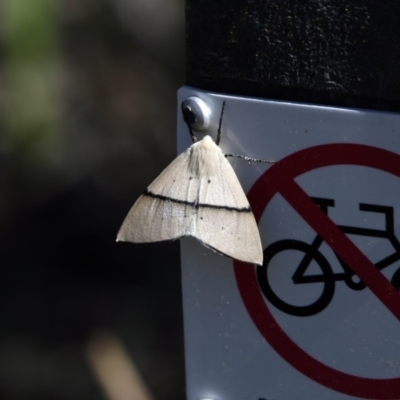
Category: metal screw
[199,114]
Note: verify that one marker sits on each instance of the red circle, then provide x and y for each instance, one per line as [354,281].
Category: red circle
[259,196]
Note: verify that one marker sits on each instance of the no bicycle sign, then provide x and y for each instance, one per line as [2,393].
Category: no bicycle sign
[321,317]
[280,179]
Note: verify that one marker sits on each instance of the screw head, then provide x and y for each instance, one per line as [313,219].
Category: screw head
[197,113]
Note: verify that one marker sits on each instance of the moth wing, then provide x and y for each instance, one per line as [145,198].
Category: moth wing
[176,181]
[225,221]
[163,212]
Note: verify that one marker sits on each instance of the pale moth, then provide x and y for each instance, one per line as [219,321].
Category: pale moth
[197,195]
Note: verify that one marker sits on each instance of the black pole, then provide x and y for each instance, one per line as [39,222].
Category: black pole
[337,52]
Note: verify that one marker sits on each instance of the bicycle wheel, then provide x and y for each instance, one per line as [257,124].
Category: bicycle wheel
[327,278]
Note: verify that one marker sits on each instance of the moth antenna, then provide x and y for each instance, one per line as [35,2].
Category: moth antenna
[218,139]
[250,159]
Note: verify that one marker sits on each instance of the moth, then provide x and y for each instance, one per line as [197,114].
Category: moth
[197,195]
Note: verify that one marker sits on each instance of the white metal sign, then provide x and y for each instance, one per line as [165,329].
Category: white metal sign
[320,319]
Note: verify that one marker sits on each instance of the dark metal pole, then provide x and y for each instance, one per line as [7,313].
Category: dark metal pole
[342,52]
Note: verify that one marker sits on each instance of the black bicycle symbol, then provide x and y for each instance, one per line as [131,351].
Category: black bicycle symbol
[328,277]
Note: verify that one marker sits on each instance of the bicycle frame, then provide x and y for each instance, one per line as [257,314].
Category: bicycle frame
[327,277]
[348,275]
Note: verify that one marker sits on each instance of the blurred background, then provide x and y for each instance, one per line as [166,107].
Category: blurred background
[87,121]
